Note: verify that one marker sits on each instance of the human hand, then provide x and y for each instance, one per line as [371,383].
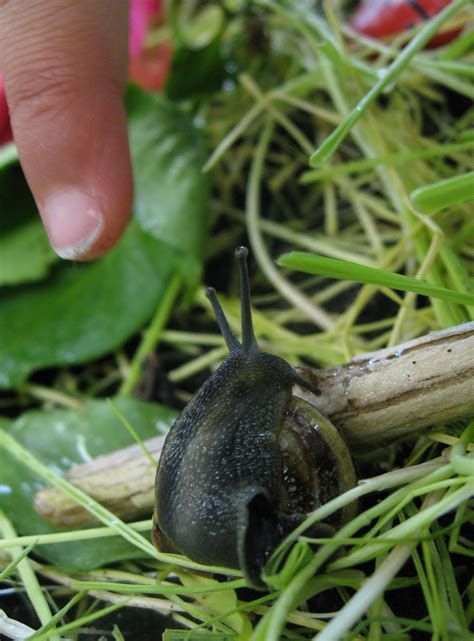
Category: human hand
[65,67]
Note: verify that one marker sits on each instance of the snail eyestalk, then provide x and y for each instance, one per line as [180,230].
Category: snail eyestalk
[249,342]
[229,337]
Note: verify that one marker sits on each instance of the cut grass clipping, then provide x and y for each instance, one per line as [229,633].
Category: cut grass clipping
[346,270]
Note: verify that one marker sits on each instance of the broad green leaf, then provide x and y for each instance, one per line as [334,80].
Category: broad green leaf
[60,439]
[171,192]
[196,72]
[25,252]
[17,206]
[82,311]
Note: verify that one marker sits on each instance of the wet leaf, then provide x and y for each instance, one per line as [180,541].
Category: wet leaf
[25,251]
[171,192]
[26,254]
[196,72]
[62,438]
[82,311]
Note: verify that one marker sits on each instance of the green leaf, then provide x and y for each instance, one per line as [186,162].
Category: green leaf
[26,254]
[223,604]
[62,438]
[197,66]
[171,192]
[196,72]
[345,270]
[82,311]
[25,251]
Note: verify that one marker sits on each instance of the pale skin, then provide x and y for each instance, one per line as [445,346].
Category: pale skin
[64,65]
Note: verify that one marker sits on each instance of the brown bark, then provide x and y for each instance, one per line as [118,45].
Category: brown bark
[374,400]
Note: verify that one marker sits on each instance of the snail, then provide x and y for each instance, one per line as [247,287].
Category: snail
[245,461]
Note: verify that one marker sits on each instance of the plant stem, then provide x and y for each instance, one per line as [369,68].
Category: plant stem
[152,334]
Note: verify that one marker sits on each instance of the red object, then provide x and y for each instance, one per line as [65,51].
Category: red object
[384,18]
[5,129]
[148,66]
[142,13]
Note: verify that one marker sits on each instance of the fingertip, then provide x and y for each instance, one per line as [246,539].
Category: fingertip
[86,207]
[81,227]
[65,88]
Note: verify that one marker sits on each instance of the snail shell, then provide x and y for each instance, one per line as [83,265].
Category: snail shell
[246,460]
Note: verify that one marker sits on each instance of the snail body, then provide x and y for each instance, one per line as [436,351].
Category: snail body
[237,473]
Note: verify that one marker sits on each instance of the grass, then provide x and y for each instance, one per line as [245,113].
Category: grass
[444,486]
[378,204]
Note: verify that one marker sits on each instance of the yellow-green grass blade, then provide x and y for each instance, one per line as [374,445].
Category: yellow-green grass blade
[345,270]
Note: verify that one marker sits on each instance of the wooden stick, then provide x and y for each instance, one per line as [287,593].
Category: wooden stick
[378,398]
[123,481]
[374,400]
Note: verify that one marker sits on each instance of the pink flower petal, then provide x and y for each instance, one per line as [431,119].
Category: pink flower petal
[142,13]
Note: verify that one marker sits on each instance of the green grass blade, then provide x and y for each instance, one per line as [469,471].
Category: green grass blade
[345,270]
[465,233]
[81,622]
[366,164]
[459,46]
[153,333]
[333,141]
[101,513]
[444,193]
[132,431]
[70,535]
[459,276]
[57,617]
[11,567]
[28,577]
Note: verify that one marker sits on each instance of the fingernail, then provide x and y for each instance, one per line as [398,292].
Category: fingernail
[73,221]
